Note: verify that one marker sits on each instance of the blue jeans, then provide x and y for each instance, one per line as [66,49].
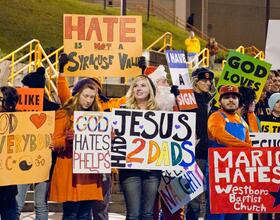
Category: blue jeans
[77,210]
[41,203]
[140,191]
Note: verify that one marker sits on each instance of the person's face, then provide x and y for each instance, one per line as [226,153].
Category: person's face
[87,97]
[275,85]
[277,107]
[162,82]
[141,90]
[229,103]
[203,85]
[1,102]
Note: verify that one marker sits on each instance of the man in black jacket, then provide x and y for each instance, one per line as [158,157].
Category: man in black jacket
[202,84]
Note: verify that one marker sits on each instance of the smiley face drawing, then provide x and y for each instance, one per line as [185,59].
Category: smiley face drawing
[25,163]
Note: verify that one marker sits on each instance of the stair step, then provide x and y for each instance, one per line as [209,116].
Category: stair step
[117,207]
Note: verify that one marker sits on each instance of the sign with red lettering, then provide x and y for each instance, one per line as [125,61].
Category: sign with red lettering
[30,99]
[102,45]
[244,180]
[92,142]
[153,140]
[180,76]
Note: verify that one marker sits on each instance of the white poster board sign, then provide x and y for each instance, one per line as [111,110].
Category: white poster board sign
[272,48]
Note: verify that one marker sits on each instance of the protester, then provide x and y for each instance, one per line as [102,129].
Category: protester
[37,80]
[8,204]
[247,105]
[140,186]
[274,105]
[262,107]
[193,48]
[275,84]
[100,208]
[226,128]
[202,82]
[212,45]
[75,191]
[166,102]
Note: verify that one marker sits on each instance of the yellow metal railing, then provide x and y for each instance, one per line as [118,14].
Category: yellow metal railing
[253,51]
[31,49]
[167,42]
[204,61]
[240,49]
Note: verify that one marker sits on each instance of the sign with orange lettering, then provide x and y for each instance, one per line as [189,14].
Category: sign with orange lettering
[102,45]
[30,99]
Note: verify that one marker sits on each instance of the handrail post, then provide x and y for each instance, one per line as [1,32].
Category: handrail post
[13,67]
[30,58]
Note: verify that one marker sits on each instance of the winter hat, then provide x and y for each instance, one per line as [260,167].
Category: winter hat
[80,84]
[229,89]
[159,73]
[274,98]
[35,79]
[203,73]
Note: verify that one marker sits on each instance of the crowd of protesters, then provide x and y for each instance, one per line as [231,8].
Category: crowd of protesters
[86,196]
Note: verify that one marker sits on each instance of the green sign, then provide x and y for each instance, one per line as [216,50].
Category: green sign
[244,70]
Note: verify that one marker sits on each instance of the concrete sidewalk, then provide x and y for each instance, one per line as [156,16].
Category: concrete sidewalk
[58,216]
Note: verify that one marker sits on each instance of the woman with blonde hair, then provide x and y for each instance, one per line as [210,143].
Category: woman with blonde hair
[77,192]
[140,186]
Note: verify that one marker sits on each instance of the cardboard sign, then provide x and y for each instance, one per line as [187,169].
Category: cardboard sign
[265,139]
[153,140]
[186,99]
[179,73]
[25,156]
[244,180]
[272,47]
[92,142]
[179,188]
[102,45]
[30,99]
[270,127]
[244,70]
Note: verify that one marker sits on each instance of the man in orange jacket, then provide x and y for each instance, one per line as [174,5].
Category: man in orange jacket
[226,128]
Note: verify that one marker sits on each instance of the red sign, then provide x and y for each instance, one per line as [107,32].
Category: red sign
[30,99]
[186,99]
[244,180]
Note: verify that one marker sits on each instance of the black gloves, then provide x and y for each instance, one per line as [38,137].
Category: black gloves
[63,60]
[174,89]
[142,63]
[103,98]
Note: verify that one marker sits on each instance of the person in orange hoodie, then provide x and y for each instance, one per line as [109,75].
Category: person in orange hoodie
[77,192]
[226,128]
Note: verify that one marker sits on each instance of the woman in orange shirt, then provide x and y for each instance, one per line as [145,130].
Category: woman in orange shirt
[77,192]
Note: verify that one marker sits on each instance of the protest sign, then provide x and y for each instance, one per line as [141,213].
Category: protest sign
[270,127]
[244,180]
[30,99]
[92,142]
[177,188]
[102,45]
[25,156]
[153,140]
[179,73]
[272,47]
[244,70]
[265,139]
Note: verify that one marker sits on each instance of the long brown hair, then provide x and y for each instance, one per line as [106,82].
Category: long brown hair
[72,104]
